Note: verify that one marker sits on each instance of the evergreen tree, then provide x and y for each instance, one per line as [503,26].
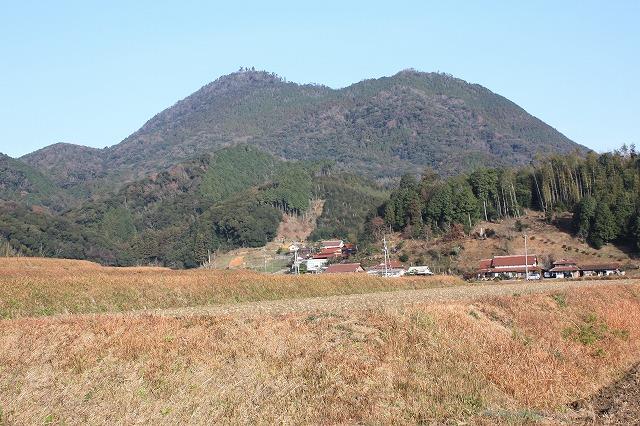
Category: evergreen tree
[604,226]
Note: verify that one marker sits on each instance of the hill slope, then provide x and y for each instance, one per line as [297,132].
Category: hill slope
[382,127]
[233,197]
[23,183]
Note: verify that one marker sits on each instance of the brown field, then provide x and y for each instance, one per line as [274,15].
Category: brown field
[33,287]
[496,360]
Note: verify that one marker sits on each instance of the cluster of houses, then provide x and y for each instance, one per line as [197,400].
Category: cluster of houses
[330,252]
[332,257]
[521,266]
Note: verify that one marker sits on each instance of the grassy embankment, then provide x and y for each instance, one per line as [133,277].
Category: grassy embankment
[501,360]
[36,287]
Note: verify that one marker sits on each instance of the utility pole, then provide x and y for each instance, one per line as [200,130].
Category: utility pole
[296,267]
[386,256]
[264,253]
[526,259]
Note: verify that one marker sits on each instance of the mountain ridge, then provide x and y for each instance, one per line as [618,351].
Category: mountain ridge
[382,127]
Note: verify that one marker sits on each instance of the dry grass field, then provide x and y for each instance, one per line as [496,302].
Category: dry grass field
[36,287]
[514,359]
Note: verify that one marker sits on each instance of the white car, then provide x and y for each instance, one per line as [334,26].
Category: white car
[419,270]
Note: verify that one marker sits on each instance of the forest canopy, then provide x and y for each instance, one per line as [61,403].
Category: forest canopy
[602,191]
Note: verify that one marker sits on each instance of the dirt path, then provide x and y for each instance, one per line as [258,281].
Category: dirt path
[382,299]
[616,404]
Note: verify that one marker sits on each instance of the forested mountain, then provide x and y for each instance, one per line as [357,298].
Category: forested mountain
[218,169]
[23,183]
[380,127]
[603,192]
[234,197]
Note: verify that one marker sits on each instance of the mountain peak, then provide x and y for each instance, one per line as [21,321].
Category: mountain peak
[380,127]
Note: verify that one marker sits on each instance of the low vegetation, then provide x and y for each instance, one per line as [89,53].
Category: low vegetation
[36,287]
[507,360]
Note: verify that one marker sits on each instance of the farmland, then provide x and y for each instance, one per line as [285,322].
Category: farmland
[85,344]
[37,287]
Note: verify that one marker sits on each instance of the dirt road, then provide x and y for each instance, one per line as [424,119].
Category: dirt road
[616,404]
[384,299]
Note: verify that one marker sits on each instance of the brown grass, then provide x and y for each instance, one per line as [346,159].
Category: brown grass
[503,360]
[33,287]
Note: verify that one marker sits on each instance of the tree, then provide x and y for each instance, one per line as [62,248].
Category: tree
[604,226]
[583,216]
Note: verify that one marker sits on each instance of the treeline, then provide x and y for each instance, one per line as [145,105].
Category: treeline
[601,190]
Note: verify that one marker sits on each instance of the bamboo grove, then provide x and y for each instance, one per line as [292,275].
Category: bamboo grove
[601,190]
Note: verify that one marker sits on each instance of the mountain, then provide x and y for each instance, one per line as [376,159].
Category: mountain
[380,127]
[220,168]
[23,183]
[234,197]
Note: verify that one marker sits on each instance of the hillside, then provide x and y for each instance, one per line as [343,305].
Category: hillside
[380,127]
[22,183]
[461,253]
[236,197]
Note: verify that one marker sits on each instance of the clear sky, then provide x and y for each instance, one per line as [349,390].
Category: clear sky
[92,72]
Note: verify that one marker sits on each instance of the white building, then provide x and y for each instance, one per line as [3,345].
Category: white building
[314,266]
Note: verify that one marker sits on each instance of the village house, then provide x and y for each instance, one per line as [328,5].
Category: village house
[333,249]
[600,270]
[328,253]
[332,244]
[344,268]
[564,268]
[394,268]
[314,266]
[509,267]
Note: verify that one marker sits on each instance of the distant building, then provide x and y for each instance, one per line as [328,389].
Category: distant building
[600,270]
[314,266]
[332,244]
[328,253]
[344,268]
[564,268]
[509,267]
[394,268]
[349,249]
[419,270]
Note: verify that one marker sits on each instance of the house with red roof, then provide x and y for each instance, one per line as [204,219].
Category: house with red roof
[600,269]
[564,268]
[328,253]
[514,266]
[344,268]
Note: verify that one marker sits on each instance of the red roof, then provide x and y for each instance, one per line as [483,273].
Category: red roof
[342,268]
[600,267]
[393,264]
[500,261]
[518,269]
[332,250]
[485,263]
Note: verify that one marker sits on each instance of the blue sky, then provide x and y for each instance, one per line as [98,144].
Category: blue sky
[91,73]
